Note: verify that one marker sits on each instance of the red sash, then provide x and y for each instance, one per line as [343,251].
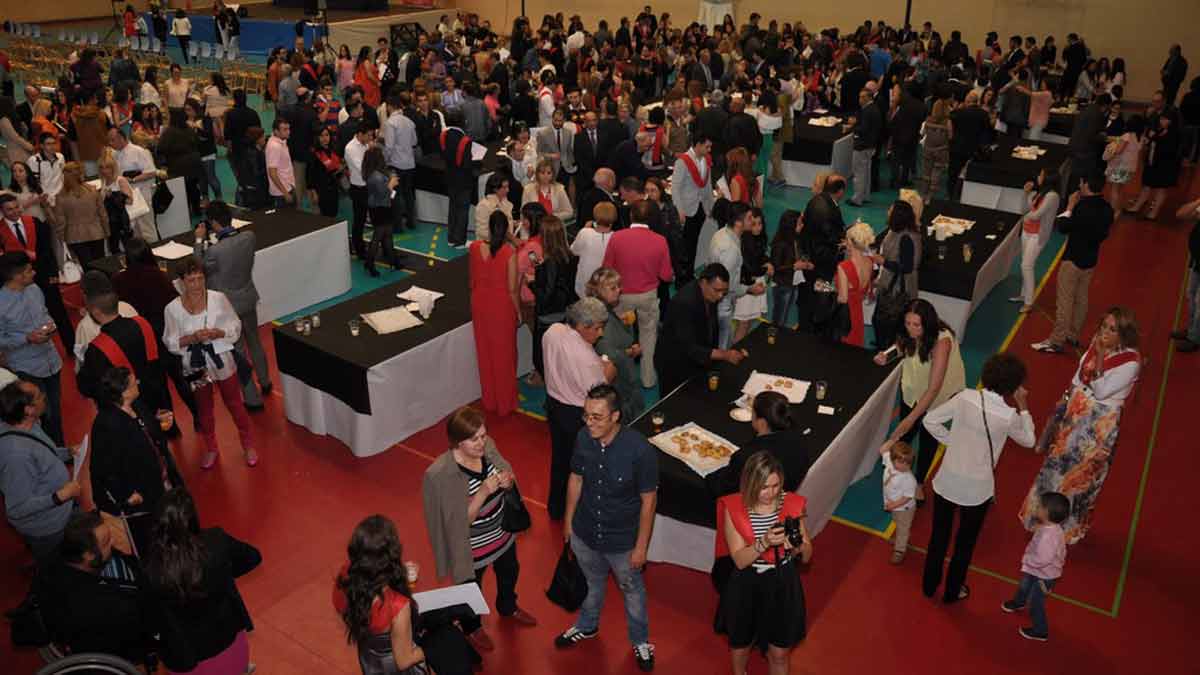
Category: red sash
[794,506]
[9,241]
[695,170]
[1086,375]
[659,137]
[546,200]
[463,143]
[116,356]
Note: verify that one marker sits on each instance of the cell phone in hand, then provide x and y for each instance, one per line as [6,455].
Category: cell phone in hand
[890,354]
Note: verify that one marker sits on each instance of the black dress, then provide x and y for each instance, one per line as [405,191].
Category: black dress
[1162,160]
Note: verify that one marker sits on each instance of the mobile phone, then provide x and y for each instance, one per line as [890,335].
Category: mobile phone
[891,354]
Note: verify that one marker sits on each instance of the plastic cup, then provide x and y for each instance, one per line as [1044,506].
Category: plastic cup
[967,252]
[306,327]
[821,389]
[315,319]
[772,332]
[355,327]
[658,420]
[714,380]
[300,325]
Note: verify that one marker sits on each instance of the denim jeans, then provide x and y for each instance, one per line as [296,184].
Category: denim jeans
[210,182]
[782,298]
[595,566]
[1032,592]
[1193,299]
[861,167]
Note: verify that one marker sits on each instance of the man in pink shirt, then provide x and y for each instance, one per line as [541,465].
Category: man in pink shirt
[281,180]
[643,259]
[1042,565]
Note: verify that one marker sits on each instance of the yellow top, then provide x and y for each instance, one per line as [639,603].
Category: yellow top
[914,375]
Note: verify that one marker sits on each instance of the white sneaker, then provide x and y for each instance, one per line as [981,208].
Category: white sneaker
[644,653]
[1047,347]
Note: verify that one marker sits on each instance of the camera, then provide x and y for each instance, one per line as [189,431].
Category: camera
[791,529]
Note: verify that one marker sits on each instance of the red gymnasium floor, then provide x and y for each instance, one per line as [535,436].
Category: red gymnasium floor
[1127,601]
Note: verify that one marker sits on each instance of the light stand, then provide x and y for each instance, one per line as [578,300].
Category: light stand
[118,25]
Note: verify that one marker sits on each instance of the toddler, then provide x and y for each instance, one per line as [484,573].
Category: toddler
[899,494]
[1042,564]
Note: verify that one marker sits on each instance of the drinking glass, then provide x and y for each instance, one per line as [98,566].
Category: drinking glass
[355,327]
[821,388]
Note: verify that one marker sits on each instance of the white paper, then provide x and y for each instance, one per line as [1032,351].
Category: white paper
[478,152]
[422,298]
[94,184]
[391,320]
[795,390]
[989,236]
[462,594]
[239,223]
[80,458]
[824,410]
[172,250]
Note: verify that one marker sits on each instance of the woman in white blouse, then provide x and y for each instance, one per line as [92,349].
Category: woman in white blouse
[1041,208]
[1081,436]
[495,199]
[981,421]
[202,328]
[548,192]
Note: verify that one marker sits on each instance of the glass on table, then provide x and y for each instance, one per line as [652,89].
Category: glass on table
[941,252]
[355,327]
[714,380]
[305,327]
[772,333]
[658,419]
[315,319]
[821,389]
[967,252]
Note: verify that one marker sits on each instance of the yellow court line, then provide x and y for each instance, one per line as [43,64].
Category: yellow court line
[528,413]
[1012,334]
[861,528]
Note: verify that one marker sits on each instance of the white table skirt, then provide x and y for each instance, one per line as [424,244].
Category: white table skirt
[713,13]
[850,457]
[177,219]
[956,312]
[434,207]
[990,196]
[302,271]
[1048,138]
[411,391]
[802,174]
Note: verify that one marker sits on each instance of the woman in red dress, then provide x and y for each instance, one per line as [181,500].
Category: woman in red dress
[366,75]
[495,311]
[854,278]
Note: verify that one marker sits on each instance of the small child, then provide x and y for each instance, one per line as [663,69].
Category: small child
[899,494]
[1042,564]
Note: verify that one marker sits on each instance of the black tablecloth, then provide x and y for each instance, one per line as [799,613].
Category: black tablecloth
[954,277]
[431,169]
[812,144]
[269,229]
[1004,170]
[852,376]
[332,360]
[1061,124]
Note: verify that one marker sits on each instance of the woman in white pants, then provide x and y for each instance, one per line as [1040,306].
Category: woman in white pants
[1041,208]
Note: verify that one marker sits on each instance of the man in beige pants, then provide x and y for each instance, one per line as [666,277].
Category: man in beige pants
[1086,223]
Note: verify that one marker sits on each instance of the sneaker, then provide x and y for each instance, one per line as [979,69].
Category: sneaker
[1187,346]
[897,557]
[1008,607]
[1028,634]
[1047,347]
[644,653]
[572,636]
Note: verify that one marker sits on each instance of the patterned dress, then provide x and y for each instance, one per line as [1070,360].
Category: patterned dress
[1080,440]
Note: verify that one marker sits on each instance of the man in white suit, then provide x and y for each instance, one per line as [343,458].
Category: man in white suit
[691,189]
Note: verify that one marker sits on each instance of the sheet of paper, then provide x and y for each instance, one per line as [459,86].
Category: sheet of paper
[172,250]
[80,458]
[416,293]
[391,320]
[824,410]
[238,223]
[462,594]
[478,152]
[989,236]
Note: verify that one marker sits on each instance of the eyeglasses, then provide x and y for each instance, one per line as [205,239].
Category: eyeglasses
[595,417]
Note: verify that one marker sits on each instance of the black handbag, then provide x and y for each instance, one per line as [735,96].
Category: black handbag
[161,200]
[515,517]
[568,587]
[890,304]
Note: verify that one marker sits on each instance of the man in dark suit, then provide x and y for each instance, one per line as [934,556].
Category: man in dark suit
[627,158]
[711,123]
[687,341]
[1173,73]
[229,268]
[1088,139]
[238,119]
[820,240]
[972,128]
[603,182]
[868,128]
[499,77]
[455,146]
[304,123]
[23,115]
[741,129]
[1075,57]
[904,128]
[610,132]
[853,81]
[700,71]
[955,51]
[587,145]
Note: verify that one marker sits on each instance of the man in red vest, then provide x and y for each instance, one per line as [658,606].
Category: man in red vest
[19,232]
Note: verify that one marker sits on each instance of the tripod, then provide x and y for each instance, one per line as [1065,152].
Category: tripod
[118,24]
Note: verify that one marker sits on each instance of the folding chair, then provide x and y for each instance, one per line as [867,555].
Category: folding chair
[193,51]
[37,31]
[94,39]
[218,53]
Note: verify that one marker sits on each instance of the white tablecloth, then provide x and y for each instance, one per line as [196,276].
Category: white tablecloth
[713,13]
[957,311]
[802,174]
[434,207]
[302,271]
[851,457]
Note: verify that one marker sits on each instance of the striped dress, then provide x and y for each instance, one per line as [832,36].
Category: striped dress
[488,540]
[761,524]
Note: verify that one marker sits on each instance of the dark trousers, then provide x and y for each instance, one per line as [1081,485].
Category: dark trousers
[358,199]
[404,207]
[953,184]
[904,165]
[804,305]
[506,568]
[51,419]
[58,312]
[327,201]
[565,422]
[381,236]
[183,45]
[969,523]
[87,251]
[927,447]
[460,209]
[691,240]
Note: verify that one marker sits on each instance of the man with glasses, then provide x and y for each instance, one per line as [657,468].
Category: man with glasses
[611,498]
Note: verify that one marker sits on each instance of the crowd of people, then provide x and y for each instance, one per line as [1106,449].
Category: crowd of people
[621,143]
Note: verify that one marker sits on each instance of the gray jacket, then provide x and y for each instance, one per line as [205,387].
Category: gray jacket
[444,495]
[687,196]
[547,142]
[229,266]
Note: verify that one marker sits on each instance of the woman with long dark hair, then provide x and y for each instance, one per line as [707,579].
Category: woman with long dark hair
[495,313]
[551,279]
[366,76]
[1041,208]
[774,432]
[380,186]
[190,576]
[931,372]
[790,261]
[899,259]
[325,168]
[216,102]
[203,126]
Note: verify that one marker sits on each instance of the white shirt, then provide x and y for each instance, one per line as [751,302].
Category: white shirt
[89,330]
[1113,386]
[149,94]
[219,314]
[355,152]
[545,107]
[520,167]
[897,485]
[575,41]
[589,246]
[134,158]
[966,476]
[181,27]
[49,173]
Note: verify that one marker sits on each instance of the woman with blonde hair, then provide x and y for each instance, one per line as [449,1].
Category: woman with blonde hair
[544,190]
[854,278]
[80,218]
[619,342]
[935,153]
[118,196]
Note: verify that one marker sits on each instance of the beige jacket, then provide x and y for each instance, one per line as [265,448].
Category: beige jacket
[80,217]
[561,205]
[444,493]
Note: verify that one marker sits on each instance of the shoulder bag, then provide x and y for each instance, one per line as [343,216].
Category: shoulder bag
[515,517]
[991,450]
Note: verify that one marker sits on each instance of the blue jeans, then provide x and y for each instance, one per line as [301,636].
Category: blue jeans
[210,182]
[1193,299]
[782,298]
[595,566]
[1032,592]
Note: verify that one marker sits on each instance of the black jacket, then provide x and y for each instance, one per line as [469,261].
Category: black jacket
[627,161]
[852,83]
[869,128]
[89,613]
[686,339]
[462,172]
[129,455]
[587,158]
[711,123]
[46,265]
[972,127]
[429,127]
[304,122]
[787,446]
[822,234]
[587,203]
[554,286]
[905,126]
[741,130]
[610,133]
[237,120]
[128,335]
[1086,229]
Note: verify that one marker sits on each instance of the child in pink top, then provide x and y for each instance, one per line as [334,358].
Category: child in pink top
[1042,565]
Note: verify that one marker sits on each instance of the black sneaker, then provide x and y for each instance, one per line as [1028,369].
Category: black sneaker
[1028,634]
[571,636]
[644,653]
[1008,606]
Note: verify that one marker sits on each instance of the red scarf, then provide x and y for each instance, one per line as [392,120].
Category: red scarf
[693,169]
[794,506]
[1087,375]
[463,144]
[330,160]
[546,199]
[116,356]
[9,241]
[660,135]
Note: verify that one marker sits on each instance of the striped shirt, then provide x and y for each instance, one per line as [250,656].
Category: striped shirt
[488,539]
[761,523]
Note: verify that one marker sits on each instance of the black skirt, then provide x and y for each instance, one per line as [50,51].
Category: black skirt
[763,609]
